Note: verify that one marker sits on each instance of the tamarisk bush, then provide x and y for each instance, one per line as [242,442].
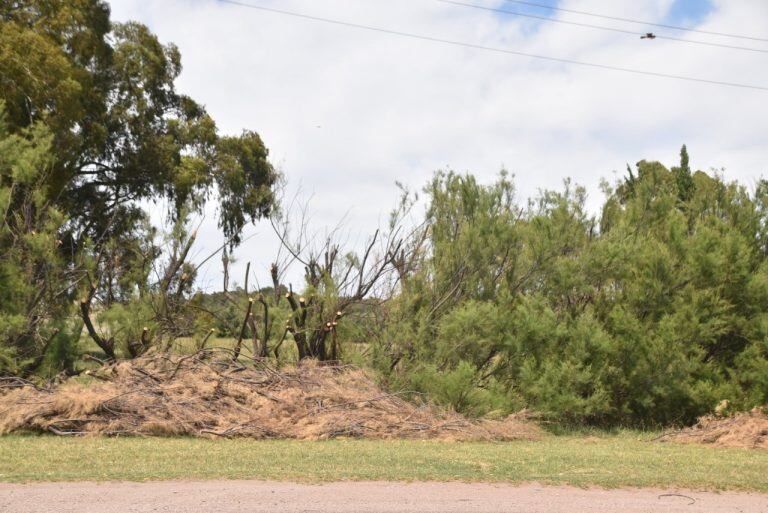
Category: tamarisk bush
[35,283]
[650,313]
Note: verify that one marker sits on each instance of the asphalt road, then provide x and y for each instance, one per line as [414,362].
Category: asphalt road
[360,497]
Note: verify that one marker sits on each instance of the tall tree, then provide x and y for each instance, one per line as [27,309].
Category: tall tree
[121,132]
[117,135]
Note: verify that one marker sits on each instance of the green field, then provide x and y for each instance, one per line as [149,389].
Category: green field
[625,459]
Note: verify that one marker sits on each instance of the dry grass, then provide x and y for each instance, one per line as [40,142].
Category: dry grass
[200,395]
[746,429]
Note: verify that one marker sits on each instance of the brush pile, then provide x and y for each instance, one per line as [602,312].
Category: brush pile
[745,429]
[205,396]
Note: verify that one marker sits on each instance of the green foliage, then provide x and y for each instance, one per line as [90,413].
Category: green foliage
[34,279]
[683,178]
[121,132]
[651,319]
[125,322]
[650,313]
[93,128]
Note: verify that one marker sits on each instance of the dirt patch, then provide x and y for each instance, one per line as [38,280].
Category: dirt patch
[200,395]
[749,429]
[361,497]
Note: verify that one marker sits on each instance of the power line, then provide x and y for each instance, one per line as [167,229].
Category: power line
[600,27]
[491,48]
[638,22]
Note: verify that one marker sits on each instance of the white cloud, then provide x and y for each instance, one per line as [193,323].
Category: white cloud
[391,108]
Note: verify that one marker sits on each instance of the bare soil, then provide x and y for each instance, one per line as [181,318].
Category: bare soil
[748,429]
[207,395]
[361,497]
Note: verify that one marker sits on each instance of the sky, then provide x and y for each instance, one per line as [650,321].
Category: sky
[346,112]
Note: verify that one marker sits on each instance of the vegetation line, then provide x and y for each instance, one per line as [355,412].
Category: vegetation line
[651,313]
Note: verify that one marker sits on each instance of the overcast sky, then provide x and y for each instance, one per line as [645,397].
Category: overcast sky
[347,112]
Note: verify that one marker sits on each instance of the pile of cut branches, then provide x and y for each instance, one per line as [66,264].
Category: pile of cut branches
[208,394]
[742,429]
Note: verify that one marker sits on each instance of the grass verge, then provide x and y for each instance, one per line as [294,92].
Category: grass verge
[625,459]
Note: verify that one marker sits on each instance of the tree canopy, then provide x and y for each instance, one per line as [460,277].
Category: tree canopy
[121,131]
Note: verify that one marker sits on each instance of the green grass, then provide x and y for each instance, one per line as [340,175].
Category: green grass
[624,459]
[188,345]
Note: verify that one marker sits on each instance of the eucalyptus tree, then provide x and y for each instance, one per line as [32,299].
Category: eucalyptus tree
[121,136]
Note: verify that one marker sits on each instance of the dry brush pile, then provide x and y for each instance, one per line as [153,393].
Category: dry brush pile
[743,429]
[208,395]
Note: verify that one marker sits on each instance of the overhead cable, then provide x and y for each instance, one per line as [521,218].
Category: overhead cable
[493,49]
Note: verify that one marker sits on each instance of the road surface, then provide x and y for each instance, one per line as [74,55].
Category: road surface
[360,497]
